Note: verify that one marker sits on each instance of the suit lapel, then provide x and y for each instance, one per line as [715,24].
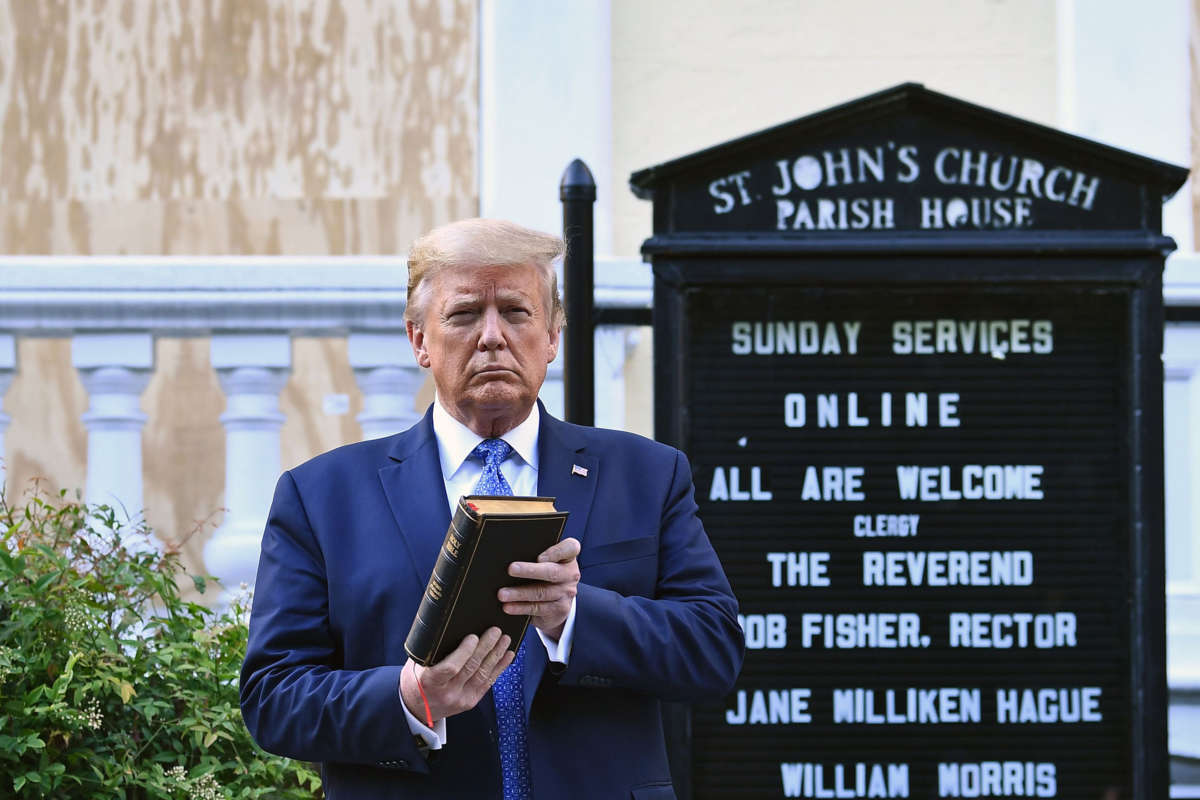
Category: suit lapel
[567,472]
[416,495]
[562,458]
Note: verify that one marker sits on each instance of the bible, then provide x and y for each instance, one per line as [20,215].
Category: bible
[486,535]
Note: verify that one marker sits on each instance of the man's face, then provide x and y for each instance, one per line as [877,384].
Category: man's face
[486,337]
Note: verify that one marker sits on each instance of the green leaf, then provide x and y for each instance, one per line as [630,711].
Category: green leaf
[200,583]
[127,691]
[44,582]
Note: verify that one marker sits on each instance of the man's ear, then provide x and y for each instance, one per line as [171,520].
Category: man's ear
[552,349]
[417,339]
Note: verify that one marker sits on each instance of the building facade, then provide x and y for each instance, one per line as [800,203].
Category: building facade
[292,150]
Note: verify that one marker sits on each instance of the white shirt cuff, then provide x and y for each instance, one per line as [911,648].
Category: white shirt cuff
[560,651]
[435,737]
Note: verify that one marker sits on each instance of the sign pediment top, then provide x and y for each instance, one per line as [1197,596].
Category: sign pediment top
[913,100]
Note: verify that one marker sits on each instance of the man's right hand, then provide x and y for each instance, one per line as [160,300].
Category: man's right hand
[460,680]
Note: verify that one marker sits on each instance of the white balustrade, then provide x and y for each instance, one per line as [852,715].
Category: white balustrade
[8,367]
[614,345]
[252,369]
[1181,408]
[114,368]
[114,306]
[389,378]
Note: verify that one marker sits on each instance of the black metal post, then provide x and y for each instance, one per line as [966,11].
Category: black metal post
[577,191]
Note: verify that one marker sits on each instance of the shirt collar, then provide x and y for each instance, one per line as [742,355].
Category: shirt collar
[456,441]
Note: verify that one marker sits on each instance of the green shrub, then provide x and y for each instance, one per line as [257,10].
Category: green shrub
[111,683]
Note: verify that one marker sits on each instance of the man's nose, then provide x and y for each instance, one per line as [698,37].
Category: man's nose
[492,335]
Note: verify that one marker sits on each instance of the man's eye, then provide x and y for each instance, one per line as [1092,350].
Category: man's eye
[461,315]
[517,313]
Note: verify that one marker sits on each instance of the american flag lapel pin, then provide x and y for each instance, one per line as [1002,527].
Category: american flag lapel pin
[578,470]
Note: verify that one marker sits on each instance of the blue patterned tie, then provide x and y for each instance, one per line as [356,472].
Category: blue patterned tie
[508,692]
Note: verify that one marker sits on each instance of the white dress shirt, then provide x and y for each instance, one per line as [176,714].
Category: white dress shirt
[460,472]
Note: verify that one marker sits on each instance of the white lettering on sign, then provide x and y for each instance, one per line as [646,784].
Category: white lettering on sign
[906,706]
[997,779]
[833,484]
[1060,706]
[727,485]
[770,707]
[829,408]
[764,631]
[799,569]
[842,167]
[862,631]
[996,338]
[795,337]
[971,482]
[1003,631]
[871,526]
[861,779]
[966,167]
[948,568]
[976,212]
[986,190]
[722,190]
[836,214]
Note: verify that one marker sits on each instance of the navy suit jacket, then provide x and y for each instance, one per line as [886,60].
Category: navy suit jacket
[350,541]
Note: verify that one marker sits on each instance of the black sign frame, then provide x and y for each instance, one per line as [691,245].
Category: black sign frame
[1127,258]
[1132,265]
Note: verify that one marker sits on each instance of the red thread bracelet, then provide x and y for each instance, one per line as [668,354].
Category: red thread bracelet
[424,699]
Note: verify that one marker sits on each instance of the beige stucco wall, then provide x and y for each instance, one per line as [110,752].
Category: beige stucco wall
[689,75]
[221,127]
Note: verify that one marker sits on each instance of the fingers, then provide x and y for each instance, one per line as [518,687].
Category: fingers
[465,661]
[549,572]
[547,605]
[457,682]
[562,551]
[518,599]
[465,658]
[553,582]
[494,662]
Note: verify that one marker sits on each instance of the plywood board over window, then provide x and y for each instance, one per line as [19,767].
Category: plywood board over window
[177,127]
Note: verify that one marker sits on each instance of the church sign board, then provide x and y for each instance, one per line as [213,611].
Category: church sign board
[912,348]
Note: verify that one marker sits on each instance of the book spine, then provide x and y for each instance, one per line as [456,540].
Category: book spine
[429,625]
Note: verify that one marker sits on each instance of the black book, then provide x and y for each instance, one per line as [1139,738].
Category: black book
[486,535]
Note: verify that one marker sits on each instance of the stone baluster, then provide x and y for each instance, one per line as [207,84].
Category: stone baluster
[614,345]
[8,368]
[252,369]
[389,378]
[114,369]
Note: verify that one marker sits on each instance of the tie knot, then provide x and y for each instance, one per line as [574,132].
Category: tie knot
[492,452]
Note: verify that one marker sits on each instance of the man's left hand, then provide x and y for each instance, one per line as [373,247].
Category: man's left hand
[548,599]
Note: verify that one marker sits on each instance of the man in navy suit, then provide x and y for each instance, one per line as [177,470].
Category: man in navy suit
[630,608]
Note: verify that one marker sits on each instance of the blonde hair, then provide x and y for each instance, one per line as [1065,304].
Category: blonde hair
[483,243]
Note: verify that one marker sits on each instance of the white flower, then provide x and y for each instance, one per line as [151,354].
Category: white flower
[76,619]
[93,717]
[206,787]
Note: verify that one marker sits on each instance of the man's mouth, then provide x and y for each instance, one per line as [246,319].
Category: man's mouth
[492,369]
